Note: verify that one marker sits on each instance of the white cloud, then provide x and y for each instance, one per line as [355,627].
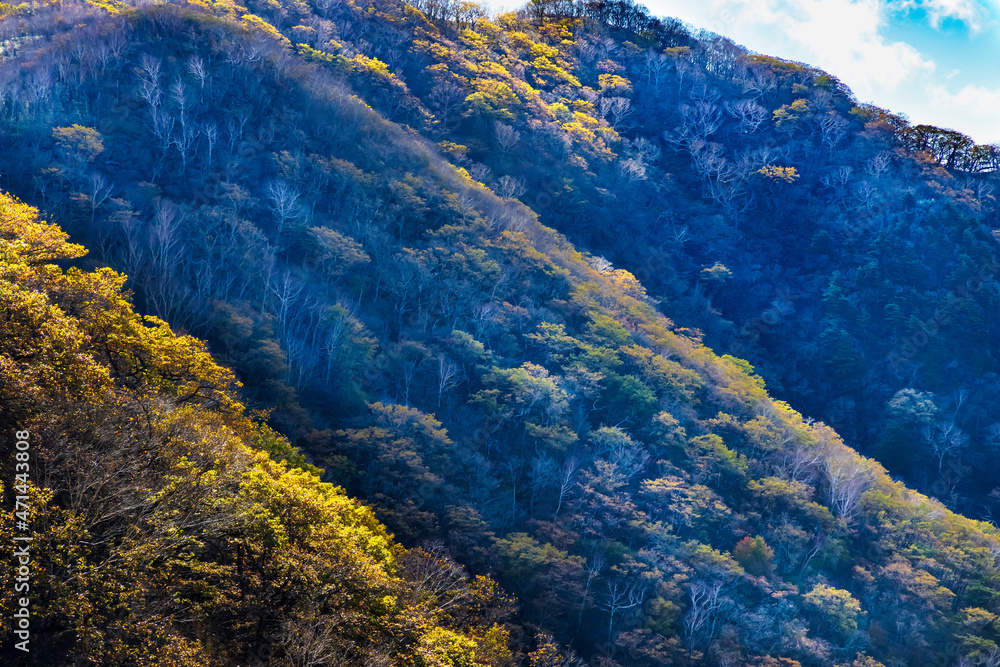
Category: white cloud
[979,105]
[841,36]
[975,15]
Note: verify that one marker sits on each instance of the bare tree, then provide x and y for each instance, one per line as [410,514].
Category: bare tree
[701,120]
[100,191]
[188,134]
[162,127]
[615,110]
[287,290]
[178,93]
[510,188]
[513,465]
[311,640]
[758,82]
[944,438]
[632,170]
[622,592]
[433,577]
[301,360]
[164,235]
[704,603]
[961,395]
[656,67]
[832,129]
[39,85]
[679,235]
[149,80]
[838,180]
[626,455]
[878,164]
[683,69]
[848,476]
[982,189]
[709,161]
[566,481]
[867,195]
[990,658]
[184,142]
[800,465]
[448,377]
[334,339]
[480,172]
[505,136]
[117,40]
[196,66]
[993,435]
[410,357]
[447,96]
[211,132]
[645,150]
[283,200]
[111,229]
[750,114]
[132,256]
[235,127]
[167,296]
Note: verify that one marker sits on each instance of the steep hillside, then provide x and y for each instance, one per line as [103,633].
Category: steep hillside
[159,530]
[266,177]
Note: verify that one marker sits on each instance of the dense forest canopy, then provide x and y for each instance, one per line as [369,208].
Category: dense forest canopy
[163,532]
[471,269]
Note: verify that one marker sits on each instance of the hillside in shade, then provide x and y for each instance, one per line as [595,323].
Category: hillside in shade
[548,293]
[163,533]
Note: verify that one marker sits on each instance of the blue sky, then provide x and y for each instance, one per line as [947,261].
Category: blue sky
[937,61]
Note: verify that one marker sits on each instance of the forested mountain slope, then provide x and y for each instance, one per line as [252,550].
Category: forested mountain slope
[161,531]
[329,195]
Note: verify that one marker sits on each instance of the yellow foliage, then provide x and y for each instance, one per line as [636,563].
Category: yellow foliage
[444,648]
[112,7]
[561,112]
[373,66]
[612,84]
[520,39]
[309,53]
[789,115]
[779,174]
[835,606]
[253,22]
[561,29]
[493,98]
[551,74]
[29,239]
[473,39]
[83,143]
[434,49]
[304,32]
[536,50]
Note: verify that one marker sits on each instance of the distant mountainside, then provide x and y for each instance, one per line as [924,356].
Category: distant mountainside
[439,250]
